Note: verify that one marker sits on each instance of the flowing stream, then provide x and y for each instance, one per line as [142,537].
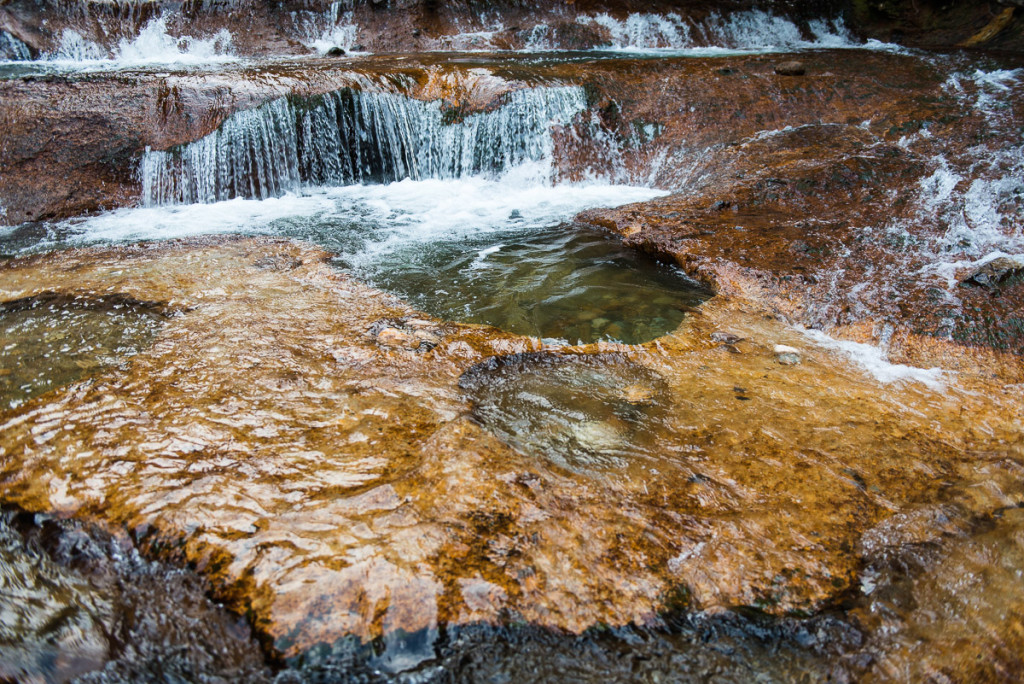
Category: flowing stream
[625,475]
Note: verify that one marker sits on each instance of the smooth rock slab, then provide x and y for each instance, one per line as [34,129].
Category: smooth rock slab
[335,488]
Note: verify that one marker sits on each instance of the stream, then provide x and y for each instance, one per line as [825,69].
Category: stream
[501,361]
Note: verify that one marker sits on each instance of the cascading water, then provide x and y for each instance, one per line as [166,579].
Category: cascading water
[349,137]
[326,30]
[13,49]
[454,212]
[644,30]
[754,30]
[760,30]
[154,44]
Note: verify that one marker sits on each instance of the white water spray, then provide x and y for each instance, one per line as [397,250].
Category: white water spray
[350,137]
[153,45]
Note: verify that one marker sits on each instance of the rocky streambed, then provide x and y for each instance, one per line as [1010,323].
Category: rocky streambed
[765,424]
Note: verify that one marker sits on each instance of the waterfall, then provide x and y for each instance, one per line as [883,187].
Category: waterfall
[348,137]
[757,29]
[154,44]
[644,30]
[12,48]
[750,30]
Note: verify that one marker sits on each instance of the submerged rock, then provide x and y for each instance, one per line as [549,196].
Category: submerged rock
[791,68]
[344,495]
[995,273]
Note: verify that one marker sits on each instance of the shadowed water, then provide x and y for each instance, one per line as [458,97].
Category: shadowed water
[559,282]
[76,603]
[52,340]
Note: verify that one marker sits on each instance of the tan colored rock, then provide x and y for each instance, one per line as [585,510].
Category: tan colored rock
[336,488]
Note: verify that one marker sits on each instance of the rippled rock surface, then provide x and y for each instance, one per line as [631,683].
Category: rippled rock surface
[337,487]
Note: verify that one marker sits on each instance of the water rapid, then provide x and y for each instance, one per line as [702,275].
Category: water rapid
[348,137]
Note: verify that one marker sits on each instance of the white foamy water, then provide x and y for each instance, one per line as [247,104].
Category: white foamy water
[340,36]
[153,46]
[13,49]
[873,360]
[335,28]
[641,31]
[977,198]
[364,220]
[757,29]
[736,32]
[355,137]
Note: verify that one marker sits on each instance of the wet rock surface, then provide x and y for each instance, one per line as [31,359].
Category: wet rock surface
[391,497]
[336,489]
[996,273]
[78,603]
[857,223]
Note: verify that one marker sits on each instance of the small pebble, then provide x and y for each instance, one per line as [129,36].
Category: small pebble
[725,337]
[393,337]
[787,356]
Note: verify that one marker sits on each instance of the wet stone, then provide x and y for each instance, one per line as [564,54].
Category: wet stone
[996,273]
[277,263]
[411,334]
[787,356]
[791,68]
[722,337]
[393,337]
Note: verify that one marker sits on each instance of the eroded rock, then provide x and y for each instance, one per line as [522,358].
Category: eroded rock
[335,489]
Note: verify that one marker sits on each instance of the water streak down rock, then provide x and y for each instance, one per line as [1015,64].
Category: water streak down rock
[348,137]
